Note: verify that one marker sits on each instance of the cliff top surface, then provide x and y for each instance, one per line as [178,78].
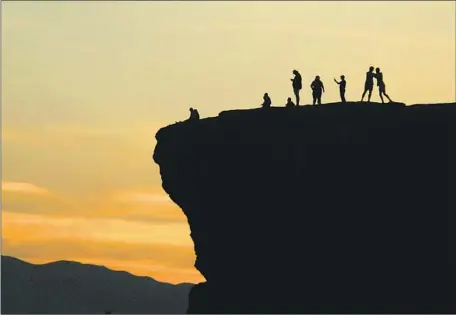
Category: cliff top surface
[351,109]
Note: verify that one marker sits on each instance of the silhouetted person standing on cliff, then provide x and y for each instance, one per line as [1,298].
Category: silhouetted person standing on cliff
[381,85]
[297,85]
[317,90]
[289,103]
[266,101]
[342,85]
[194,115]
[369,84]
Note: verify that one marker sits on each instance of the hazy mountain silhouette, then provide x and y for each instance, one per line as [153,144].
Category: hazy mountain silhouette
[66,287]
[338,208]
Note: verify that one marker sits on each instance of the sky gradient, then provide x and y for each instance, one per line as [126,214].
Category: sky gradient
[86,85]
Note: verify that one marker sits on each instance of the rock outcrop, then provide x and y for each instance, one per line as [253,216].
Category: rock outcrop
[338,208]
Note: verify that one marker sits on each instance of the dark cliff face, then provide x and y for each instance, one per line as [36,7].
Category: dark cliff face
[339,208]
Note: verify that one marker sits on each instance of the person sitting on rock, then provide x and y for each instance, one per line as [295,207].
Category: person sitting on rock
[317,90]
[342,85]
[194,115]
[267,101]
[290,103]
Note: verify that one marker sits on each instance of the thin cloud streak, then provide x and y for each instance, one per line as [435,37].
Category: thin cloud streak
[25,188]
[147,198]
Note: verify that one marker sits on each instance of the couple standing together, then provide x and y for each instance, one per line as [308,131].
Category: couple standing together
[369,84]
[317,87]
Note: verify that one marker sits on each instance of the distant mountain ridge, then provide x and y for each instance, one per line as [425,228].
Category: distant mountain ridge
[67,287]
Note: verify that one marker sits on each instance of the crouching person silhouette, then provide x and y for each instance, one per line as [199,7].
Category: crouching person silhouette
[266,101]
[290,103]
[194,115]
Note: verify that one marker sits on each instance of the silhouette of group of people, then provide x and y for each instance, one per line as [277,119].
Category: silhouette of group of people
[318,88]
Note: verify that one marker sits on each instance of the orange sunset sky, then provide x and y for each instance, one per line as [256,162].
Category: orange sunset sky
[86,85]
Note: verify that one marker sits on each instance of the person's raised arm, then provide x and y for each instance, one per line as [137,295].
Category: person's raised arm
[336,81]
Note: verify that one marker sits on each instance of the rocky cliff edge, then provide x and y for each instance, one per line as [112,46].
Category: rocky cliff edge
[338,208]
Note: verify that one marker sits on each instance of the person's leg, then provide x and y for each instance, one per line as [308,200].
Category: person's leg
[314,96]
[381,90]
[364,93]
[342,96]
[297,97]
[384,93]
[319,99]
[381,97]
[370,95]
